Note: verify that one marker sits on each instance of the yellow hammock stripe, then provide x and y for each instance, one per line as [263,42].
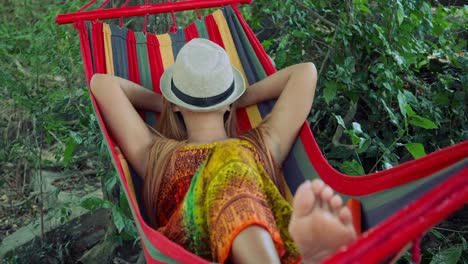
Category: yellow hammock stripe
[107,34]
[165,45]
[252,111]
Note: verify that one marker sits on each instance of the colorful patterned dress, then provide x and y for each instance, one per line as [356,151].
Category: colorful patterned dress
[213,192]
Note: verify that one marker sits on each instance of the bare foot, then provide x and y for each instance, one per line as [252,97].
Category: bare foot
[320,225]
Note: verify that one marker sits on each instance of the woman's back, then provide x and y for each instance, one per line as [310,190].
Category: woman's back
[185,162]
[211,191]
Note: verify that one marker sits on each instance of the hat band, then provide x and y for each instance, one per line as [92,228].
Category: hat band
[202,101]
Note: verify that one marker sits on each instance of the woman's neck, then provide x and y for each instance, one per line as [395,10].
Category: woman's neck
[205,128]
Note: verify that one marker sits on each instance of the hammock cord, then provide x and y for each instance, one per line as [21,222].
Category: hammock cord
[173,27]
[121,18]
[416,250]
[145,20]
[87,5]
[103,5]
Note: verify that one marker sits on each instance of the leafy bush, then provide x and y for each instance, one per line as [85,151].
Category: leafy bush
[392,74]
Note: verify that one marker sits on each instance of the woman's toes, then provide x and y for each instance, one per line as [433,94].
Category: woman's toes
[336,203]
[345,216]
[317,186]
[304,200]
[326,196]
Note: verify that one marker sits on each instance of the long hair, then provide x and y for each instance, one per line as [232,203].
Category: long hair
[171,135]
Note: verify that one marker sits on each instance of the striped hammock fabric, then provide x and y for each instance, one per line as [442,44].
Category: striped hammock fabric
[395,206]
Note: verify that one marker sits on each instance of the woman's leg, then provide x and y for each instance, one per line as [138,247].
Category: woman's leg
[254,245]
[320,224]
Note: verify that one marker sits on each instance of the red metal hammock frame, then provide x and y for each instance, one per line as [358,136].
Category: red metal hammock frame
[387,237]
[141,10]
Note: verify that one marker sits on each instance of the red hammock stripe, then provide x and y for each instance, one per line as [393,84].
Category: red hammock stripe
[134,73]
[191,32]
[155,61]
[133,68]
[213,31]
[98,48]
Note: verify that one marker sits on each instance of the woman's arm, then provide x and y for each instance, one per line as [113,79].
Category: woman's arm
[117,99]
[139,96]
[294,87]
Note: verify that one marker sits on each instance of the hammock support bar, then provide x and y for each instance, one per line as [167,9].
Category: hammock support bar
[143,10]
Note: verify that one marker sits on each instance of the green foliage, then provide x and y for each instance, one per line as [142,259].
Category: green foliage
[448,256]
[121,213]
[402,62]
[43,88]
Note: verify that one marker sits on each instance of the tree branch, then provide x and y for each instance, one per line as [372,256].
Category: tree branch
[339,129]
[413,83]
[315,14]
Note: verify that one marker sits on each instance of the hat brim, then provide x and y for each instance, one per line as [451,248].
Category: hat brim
[166,81]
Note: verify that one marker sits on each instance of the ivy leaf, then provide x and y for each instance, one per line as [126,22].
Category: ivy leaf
[417,120]
[67,154]
[78,139]
[357,127]
[448,256]
[402,102]
[352,168]
[422,122]
[92,203]
[410,111]
[111,181]
[340,121]
[329,93]
[400,13]
[364,145]
[393,117]
[387,165]
[119,218]
[363,5]
[267,44]
[123,202]
[355,139]
[404,98]
[300,34]
[416,149]
[437,234]
[387,85]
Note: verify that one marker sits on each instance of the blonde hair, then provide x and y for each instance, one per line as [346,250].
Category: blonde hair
[172,135]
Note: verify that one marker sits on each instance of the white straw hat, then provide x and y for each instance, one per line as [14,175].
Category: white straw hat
[202,78]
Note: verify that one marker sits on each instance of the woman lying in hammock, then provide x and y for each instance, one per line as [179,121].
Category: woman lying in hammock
[217,194]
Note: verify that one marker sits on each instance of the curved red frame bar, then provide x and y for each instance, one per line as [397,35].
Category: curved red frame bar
[143,10]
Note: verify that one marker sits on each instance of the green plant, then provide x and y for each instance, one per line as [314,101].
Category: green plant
[398,66]
[392,79]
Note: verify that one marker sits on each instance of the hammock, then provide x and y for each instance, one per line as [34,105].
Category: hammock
[392,208]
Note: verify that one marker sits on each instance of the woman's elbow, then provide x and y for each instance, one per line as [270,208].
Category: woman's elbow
[310,68]
[98,81]
[309,73]
[95,80]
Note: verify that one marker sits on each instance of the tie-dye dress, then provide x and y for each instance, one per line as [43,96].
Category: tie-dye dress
[214,191]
